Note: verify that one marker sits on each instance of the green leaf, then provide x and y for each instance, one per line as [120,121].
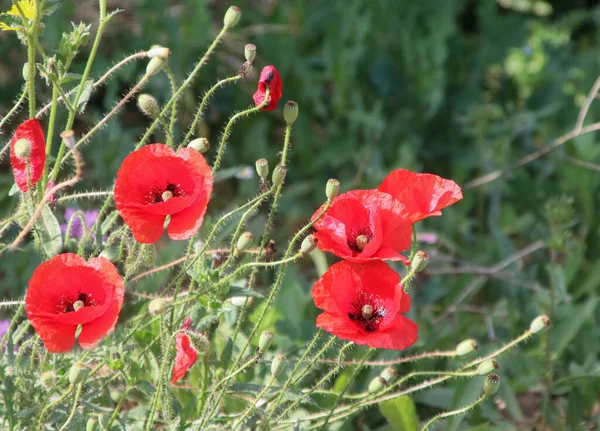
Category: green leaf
[49,229]
[242,291]
[401,413]
[570,320]
[14,190]
[86,93]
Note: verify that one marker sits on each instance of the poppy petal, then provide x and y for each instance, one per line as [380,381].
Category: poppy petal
[97,329]
[185,357]
[31,130]
[57,337]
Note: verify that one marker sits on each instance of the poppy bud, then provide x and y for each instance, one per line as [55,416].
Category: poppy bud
[68,137]
[199,342]
[158,51]
[240,301]
[491,384]
[308,244]
[232,16]
[245,241]
[47,379]
[466,346]
[278,365]
[155,65]
[332,189]
[265,341]
[376,384]
[22,148]
[250,52]
[290,111]
[158,306]
[110,253]
[539,324]
[148,105]
[278,175]
[389,375]
[262,168]
[78,373]
[200,144]
[26,71]
[487,367]
[420,261]
[91,425]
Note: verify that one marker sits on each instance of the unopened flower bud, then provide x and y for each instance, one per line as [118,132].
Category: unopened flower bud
[22,148]
[148,105]
[420,261]
[68,137]
[265,341]
[250,52]
[110,253]
[245,241]
[487,367]
[278,365]
[376,384]
[158,51]
[466,346]
[91,425]
[199,342]
[232,16]
[262,168]
[240,301]
[26,71]
[491,384]
[389,375]
[308,244]
[290,111]
[158,306]
[332,189]
[155,65]
[278,175]
[78,373]
[200,144]
[539,324]
[47,379]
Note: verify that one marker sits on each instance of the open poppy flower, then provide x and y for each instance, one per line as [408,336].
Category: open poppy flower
[362,303]
[65,292]
[155,182]
[186,355]
[364,225]
[423,195]
[269,78]
[28,138]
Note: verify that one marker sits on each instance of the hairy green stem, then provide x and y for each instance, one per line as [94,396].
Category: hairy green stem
[464,409]
[74,408]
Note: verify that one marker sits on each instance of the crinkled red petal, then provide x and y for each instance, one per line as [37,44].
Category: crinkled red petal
[269,78]
[185,357]
[32,131]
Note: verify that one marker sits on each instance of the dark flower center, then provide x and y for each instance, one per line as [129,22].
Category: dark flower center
[368,312]
[69,304]
[163,194]
[357,239]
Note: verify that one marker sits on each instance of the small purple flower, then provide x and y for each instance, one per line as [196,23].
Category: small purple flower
[77,231]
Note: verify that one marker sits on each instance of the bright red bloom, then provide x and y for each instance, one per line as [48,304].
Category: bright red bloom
[269,78]
[65,292]
[155,182]
[423,195]
[186,354]
[362,303]
[31,131]
[364,225]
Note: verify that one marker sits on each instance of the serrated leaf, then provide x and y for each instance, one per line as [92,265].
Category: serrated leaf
[49,229]
[226,355]
[401,413]
[86,93]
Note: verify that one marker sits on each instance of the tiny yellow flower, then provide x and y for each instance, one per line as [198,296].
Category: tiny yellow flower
[28,8]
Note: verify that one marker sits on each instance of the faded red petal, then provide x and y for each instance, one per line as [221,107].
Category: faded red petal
[185,357]
[32,131]
[423,195]
[269,78]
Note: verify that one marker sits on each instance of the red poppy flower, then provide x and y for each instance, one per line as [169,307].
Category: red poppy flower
[66,292]
[423,195]
[155,182]
[269,78]
[30,131]
[364,225]
[186,354]
[362,303]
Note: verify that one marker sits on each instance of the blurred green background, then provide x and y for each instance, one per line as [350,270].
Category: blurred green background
[456,88]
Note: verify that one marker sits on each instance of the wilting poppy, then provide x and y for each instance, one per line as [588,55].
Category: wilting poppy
[66,292]
[362,303]
[423,195]
[269,78]
[186,355]
[155,182]
[28,145]
[364,225]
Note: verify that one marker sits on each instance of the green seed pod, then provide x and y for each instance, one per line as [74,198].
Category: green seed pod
[47,379]
[376,384]
[466,346]
[308,244]
[539,324]
[148,105]
[78,373]
[232,16]
[487,367]
[22,148]
[389,375]
[158,51]
[278,365]
[491,384]
[155,65]
[91,425]
[262,168]
[200,144]
[290,111]
[158,306]
[278,175]
[265,341]
[332,189]
[250,52]
[420,261]
[245,241]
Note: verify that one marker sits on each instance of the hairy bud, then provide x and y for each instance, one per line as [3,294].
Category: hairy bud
[47,379]
[148,105]
[158,306]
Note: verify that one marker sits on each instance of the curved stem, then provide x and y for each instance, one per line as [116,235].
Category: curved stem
[464,409]
[74,408]
[256,400]
[10,113]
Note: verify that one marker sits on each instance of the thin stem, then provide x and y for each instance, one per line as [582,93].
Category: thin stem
[117,409]
[50,133]
[256,400]
[32,35]
[464,409]
[88,195]
[74,408]
[10,113]
[171,127]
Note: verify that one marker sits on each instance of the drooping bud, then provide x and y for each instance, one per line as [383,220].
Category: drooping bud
[158,306]
[148,105]
[308,244]
[539,324]
[91,425]
[278,175]
[491,384]
[420,261]
[78,373]
[466,346]
[376,384]
[367,311]
[361,242]
[265,341]
[278,365]
[155,65]
[262,168]
[47,379]
[389,375]
[200,144]
[232,16]
[332,189]
[250,52]
[290,111]
[487,367]
[158,51]
[23,148]
[245,241]
[68,137]
[240,301]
